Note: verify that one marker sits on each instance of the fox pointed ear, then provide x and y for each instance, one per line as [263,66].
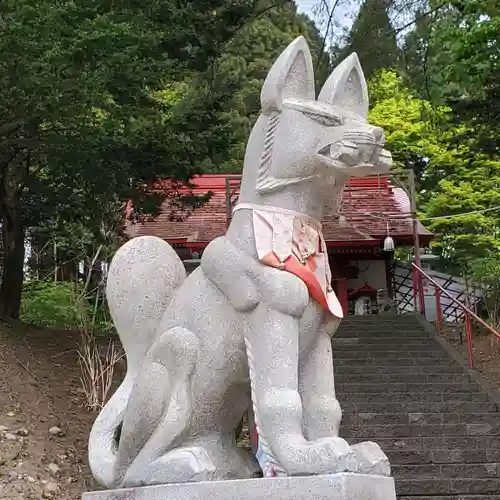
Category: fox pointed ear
[291,77]
[346,87]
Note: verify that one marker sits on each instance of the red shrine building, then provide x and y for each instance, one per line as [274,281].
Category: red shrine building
[371,209]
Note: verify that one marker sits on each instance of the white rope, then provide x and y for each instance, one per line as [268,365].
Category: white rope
[271,463]
[474,212]
[252,206]
[463,214]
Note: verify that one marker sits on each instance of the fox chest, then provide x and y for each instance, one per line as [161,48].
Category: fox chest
[294,243]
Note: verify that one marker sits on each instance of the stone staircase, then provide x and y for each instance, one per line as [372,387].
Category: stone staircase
[402,389]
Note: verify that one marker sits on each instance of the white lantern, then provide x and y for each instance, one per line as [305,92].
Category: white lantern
[388,244]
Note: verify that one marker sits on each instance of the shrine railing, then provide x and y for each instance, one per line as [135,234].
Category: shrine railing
[419,301]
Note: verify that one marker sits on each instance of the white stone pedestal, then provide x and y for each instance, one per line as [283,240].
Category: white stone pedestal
[331,487]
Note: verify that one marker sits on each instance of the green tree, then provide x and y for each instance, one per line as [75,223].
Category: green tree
[453,179]
[373,38]
[452,57]
[486,272]
[415,131]
[417,55]
[100,99]
[246,61]
[474,47]
[472,186]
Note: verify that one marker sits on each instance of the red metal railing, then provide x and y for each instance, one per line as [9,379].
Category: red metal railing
[418,298]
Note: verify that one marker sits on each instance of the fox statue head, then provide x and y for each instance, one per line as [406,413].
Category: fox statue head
[302,150]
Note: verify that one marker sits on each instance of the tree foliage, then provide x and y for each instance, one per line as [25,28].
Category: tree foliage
[411,125]
[100,99]
[453,178]
[486,272]
[472,187]
[246,61]
[373,38]
[452,57]
[54,305]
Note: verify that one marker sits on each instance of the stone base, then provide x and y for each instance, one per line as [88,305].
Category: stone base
[338,487]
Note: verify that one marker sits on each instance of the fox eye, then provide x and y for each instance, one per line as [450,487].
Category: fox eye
[327,121]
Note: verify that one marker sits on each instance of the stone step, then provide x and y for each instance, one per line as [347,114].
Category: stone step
[408,397]
[458,456]
[399,361]
[371,333]
[377,323]
[381,318]
[395,330]
[400,318]
[377,320]
[451,497]
[435,471]
[350,408]
[390,387]
[411,444]
[380,346]
[420,418]
[400,388]
[375,432]
[382,354]
[339,347]
[380,378]
[387,340]
[458,486]
[376,369]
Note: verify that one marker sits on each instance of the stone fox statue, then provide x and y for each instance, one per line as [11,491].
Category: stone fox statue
[251,328]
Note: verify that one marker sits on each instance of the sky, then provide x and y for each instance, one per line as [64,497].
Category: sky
[305,5]
[343,15]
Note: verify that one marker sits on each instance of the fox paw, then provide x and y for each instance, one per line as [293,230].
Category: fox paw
[371,459]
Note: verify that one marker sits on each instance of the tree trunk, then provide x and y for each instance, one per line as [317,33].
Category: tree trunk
[14,171]
[13,263]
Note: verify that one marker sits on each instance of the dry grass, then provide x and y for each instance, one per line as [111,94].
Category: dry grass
[97,370]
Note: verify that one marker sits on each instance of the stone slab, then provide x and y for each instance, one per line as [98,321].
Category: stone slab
[327,487]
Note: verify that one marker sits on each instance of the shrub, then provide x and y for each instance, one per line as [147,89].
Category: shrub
[55,305]
[486,272]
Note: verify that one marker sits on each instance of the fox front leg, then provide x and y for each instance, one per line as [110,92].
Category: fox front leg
[272,341]
[322,412]
[321,409]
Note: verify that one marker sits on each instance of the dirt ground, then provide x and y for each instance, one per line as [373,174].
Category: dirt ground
[486,350]
[40,390]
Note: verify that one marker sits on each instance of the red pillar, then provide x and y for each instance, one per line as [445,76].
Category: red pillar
[342,294]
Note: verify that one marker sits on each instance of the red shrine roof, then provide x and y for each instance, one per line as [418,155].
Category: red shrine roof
[371,205]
